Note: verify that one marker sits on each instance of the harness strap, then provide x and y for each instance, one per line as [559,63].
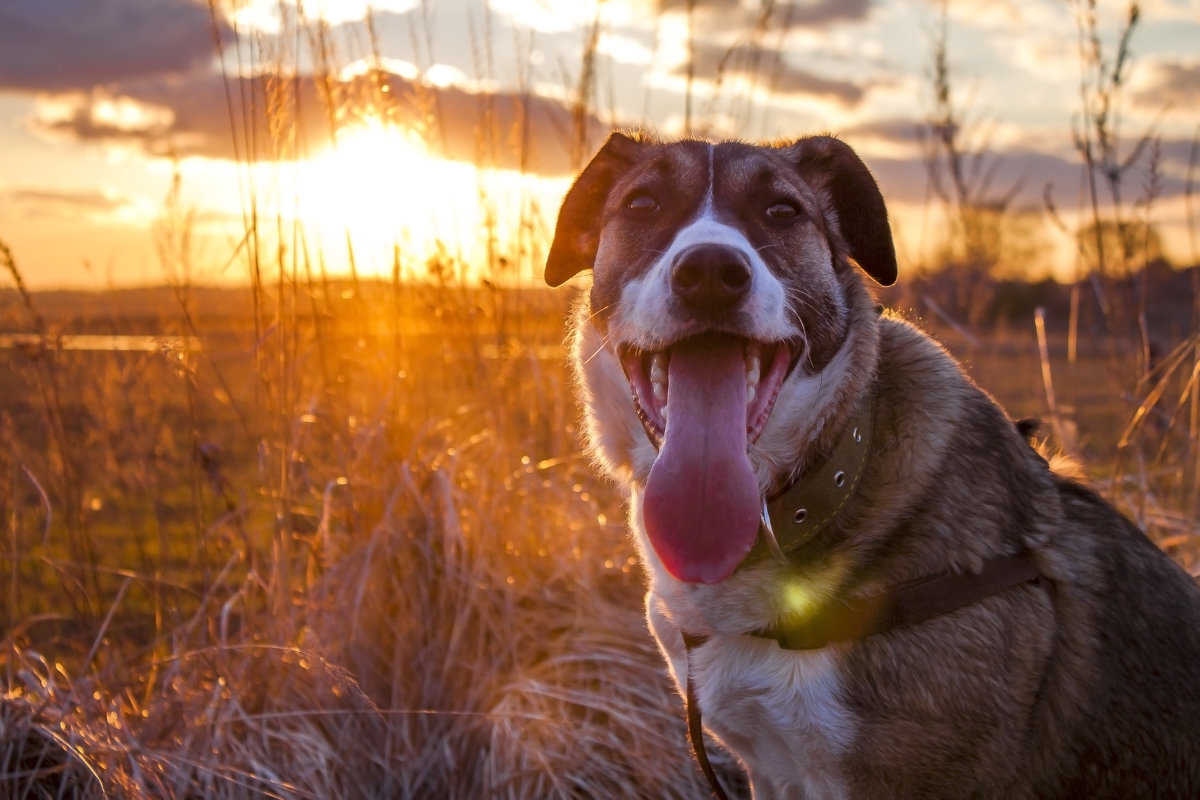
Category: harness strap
[906,604]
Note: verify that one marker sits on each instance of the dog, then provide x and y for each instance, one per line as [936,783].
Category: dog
[859,570]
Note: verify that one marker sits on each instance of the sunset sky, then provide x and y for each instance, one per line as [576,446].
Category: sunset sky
[102,101]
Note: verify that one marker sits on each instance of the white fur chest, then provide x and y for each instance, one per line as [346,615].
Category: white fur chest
[778,711]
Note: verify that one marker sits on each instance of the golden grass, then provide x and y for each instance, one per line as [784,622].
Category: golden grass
[392,575]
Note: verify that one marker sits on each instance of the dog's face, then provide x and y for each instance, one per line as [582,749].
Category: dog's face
[722,291]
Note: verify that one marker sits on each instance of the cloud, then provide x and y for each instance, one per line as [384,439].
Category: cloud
[64,45]
[1170,83]
[1029,172]
[39,203]
[769,67]
[1178,155]
[271,118]
[721,6]
[891,130]
[821,13]
[816,14]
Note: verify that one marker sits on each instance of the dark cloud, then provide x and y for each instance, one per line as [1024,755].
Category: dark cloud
[770,69]
[63,45]
[272,118]
[815,14]
[725,6]
[63,204]
[1033,170]
[895,130]
[820,13]
[1175,84]
[1028,173]
[1179,154]
[145,51]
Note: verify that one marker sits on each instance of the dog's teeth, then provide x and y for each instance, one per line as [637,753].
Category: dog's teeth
[658,376]
[753,357]
[658,367]
[658,362]
[753,371]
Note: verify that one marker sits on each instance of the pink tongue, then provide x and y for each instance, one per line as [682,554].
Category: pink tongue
[701,506]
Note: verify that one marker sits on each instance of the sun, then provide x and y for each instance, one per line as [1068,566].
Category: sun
[380,194]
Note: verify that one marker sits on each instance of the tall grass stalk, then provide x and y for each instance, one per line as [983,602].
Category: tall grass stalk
[962,171]
[1158,453]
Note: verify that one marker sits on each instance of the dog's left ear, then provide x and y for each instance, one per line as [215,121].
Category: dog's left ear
[829,163]
[577,234]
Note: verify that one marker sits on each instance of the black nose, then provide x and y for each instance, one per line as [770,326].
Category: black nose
[710,277]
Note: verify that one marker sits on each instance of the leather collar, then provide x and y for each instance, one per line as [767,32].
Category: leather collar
[801,511]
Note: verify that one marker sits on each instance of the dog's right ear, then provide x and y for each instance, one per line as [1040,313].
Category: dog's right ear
[577,234]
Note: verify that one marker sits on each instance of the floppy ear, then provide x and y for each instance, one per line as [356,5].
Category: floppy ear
[829,163]
[577,234]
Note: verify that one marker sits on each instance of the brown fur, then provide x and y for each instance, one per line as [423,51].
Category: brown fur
[1089,690]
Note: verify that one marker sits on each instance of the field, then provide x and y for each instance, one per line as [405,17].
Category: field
[343,543]
[349,554]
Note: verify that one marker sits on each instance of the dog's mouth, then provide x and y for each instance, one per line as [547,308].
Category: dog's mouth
[703,401]
[649,375]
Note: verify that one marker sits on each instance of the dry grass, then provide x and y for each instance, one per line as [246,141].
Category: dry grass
[415,594]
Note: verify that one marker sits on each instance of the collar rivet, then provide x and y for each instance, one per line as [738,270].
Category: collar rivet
[800,515]
[839,479]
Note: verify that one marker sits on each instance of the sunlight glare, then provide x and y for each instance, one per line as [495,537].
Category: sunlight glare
[800,600]
[381,189]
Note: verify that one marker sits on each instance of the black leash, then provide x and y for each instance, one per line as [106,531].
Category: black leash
[694,727]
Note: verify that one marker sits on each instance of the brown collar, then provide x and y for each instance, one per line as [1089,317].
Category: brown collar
[804,509]
[812,502]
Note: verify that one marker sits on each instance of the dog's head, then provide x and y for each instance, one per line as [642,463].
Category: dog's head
[723,274]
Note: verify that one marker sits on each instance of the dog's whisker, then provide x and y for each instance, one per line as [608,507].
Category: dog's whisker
[595,353]
[593,315]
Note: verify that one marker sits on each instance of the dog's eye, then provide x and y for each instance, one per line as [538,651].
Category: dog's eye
[642,203]
[783,210]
